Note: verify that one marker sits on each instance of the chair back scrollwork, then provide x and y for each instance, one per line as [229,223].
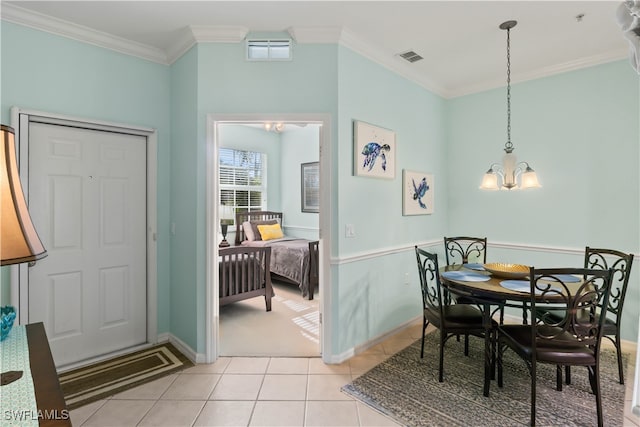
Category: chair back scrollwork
[432,298]
[462,250]
[579,307]
[620,263]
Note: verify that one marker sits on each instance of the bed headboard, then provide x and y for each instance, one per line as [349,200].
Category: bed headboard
[253,216]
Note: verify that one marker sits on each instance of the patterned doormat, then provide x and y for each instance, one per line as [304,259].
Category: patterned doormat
[94,382]
[406,388]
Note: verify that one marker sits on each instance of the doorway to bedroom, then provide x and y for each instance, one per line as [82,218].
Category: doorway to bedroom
[267,164]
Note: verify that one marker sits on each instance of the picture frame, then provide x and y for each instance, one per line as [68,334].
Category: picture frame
[417,193]
[310,187]
[374,151]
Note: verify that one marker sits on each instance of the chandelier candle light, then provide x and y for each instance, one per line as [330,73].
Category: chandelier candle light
[510,170]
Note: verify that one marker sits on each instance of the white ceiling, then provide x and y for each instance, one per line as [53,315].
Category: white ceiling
[463,47]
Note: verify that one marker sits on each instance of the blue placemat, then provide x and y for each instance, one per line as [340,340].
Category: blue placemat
[519,286]
[566,278]
[516,285]
[465,276]
[474,266]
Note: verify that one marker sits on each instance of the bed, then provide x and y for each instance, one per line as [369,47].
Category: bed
[293,260]
[243,274]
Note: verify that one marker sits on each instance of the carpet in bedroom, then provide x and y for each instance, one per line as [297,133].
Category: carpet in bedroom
[290,329]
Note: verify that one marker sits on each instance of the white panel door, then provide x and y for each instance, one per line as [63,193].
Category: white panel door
[87,199]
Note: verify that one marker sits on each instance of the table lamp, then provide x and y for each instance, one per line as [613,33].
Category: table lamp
[226,219]
[19,241]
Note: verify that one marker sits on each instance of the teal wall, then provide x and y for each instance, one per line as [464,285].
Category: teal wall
[187,322]
[370,296]
[579,130]
[44,72]
[228,84]
[299,145]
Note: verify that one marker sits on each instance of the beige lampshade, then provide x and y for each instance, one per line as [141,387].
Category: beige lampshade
[530,179]
[19,241]
[489,181]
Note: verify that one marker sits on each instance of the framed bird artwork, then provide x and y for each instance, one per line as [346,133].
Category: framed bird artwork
[417,193]
[374,151]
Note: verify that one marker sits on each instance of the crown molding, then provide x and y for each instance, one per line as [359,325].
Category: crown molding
[204,34]
[540,73]
[38,21]
[304,35]
[218,33]
[309,35]
[390,61]
[183,42]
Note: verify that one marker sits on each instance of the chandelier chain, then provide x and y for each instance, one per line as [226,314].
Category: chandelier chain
[508,145]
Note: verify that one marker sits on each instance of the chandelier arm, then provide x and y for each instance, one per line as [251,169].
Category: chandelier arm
[495,167]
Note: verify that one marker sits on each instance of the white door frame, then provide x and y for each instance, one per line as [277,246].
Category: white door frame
[20,119]
[212,312]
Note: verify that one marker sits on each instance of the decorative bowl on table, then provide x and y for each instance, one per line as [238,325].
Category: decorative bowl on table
[7,316]
[509,271]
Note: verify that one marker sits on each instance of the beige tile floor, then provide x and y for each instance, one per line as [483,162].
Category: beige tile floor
[258,391]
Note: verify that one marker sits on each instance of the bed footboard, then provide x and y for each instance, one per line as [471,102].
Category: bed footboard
[244,273]
[314,275]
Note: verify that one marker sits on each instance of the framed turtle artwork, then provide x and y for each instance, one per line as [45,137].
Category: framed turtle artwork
[374,151]
[417,193]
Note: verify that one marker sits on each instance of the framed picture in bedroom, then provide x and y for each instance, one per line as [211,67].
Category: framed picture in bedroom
[310,186]
[374,151]
[417,193]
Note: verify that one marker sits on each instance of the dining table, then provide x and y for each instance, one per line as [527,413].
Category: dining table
[491,292]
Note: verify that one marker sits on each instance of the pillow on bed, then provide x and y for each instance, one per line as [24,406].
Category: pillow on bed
[248,231]
[255,224]
[270,232]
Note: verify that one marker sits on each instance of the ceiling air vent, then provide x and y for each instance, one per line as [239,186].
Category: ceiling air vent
[268,50]
[411,56]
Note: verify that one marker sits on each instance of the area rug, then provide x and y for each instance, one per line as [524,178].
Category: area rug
[94,382]
[406,388]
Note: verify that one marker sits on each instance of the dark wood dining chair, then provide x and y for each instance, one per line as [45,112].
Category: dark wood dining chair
[571,340]
[451,319]
[620,262]
[463,250]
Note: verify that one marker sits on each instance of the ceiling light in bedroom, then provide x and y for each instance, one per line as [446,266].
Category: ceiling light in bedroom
[274,127]
[510,171]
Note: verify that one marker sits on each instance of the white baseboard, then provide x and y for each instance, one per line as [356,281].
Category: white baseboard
[182,347]
[354,351]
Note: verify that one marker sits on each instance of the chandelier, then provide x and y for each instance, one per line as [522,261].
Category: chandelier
[510,171]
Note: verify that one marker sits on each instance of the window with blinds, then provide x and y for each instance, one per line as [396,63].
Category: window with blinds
[243,180]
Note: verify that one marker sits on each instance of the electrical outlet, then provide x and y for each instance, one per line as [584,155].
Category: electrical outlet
[406,278]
